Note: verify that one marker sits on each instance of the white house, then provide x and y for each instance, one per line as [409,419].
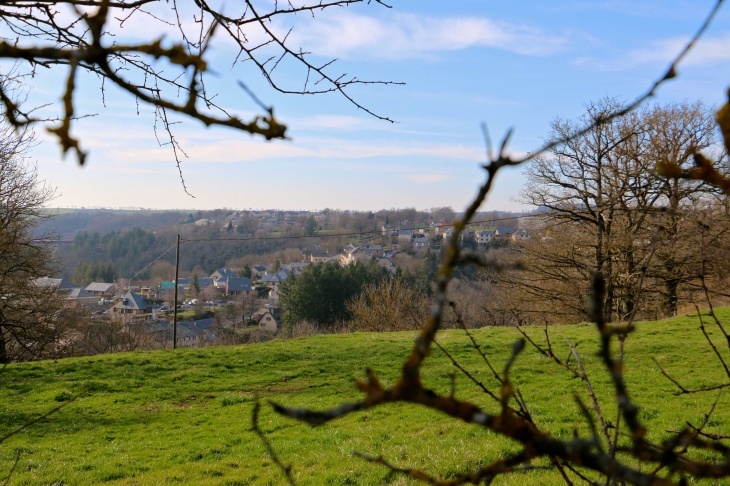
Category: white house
[483,237]
[267,320]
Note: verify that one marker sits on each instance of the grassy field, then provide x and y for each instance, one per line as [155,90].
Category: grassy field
[183,416]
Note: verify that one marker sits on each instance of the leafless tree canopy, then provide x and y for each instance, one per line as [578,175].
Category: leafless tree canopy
[607,210]
[167,74]
[31,317]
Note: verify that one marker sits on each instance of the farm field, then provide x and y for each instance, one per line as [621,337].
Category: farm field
[184,416]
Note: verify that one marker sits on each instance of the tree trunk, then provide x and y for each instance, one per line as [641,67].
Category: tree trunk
[4,359]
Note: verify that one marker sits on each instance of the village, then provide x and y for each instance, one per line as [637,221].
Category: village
[236,300]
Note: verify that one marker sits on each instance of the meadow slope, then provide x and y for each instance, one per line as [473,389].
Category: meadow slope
[183,416]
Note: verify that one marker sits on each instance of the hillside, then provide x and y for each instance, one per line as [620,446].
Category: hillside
[183,416]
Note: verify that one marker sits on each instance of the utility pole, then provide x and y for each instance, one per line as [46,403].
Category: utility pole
[174,313]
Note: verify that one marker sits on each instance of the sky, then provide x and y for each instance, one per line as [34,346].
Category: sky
[507,64]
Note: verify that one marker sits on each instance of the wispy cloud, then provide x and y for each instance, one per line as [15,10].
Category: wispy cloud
[402,36]
[708,52]
[212,147]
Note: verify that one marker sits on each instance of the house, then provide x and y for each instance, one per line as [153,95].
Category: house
[258,270]
[269,319]
[465,235]
[319,256]
[234,285]
[135,305]
[356,254]
[420,242]
[405,234]
[54,283]
[520,235]
[195,333]
[530,222]
[101,289]
[388,265]
[319,218]
[204,282]
[445,231]
[505,231]
[389,230]
[275,279]
[203,222]
[223,273]
[483,237]
[313,254]
[377,250]
[81,296]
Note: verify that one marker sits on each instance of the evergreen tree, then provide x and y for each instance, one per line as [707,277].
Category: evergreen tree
[320,293]
[311,227]
[246,271]
[195,283]
[277,265]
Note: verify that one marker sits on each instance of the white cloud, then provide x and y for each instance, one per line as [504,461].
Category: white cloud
[111,146]
[707,52]
[400,36]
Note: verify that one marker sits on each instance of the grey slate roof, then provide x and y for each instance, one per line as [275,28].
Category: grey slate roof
[506,230]
[271,278]
[225,273]
[56,283]
[277,277]
[310,248]
[239,284]
[203,324]
[135,302]
[78,293]
[205,282]
[99,287]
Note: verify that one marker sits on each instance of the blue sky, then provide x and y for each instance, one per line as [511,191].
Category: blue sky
[509,64]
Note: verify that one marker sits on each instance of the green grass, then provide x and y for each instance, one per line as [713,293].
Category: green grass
[183,416]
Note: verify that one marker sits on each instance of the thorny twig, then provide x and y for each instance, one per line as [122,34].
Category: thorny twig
[591,393]
[286,470]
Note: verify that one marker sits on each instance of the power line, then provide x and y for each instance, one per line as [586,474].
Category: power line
[153,262]
[129,280]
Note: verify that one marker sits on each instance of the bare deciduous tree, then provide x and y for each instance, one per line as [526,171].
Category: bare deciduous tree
[608,210]
[31,317]
[388,305]
[89,36]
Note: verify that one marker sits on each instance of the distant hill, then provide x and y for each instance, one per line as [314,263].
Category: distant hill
[69,222]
